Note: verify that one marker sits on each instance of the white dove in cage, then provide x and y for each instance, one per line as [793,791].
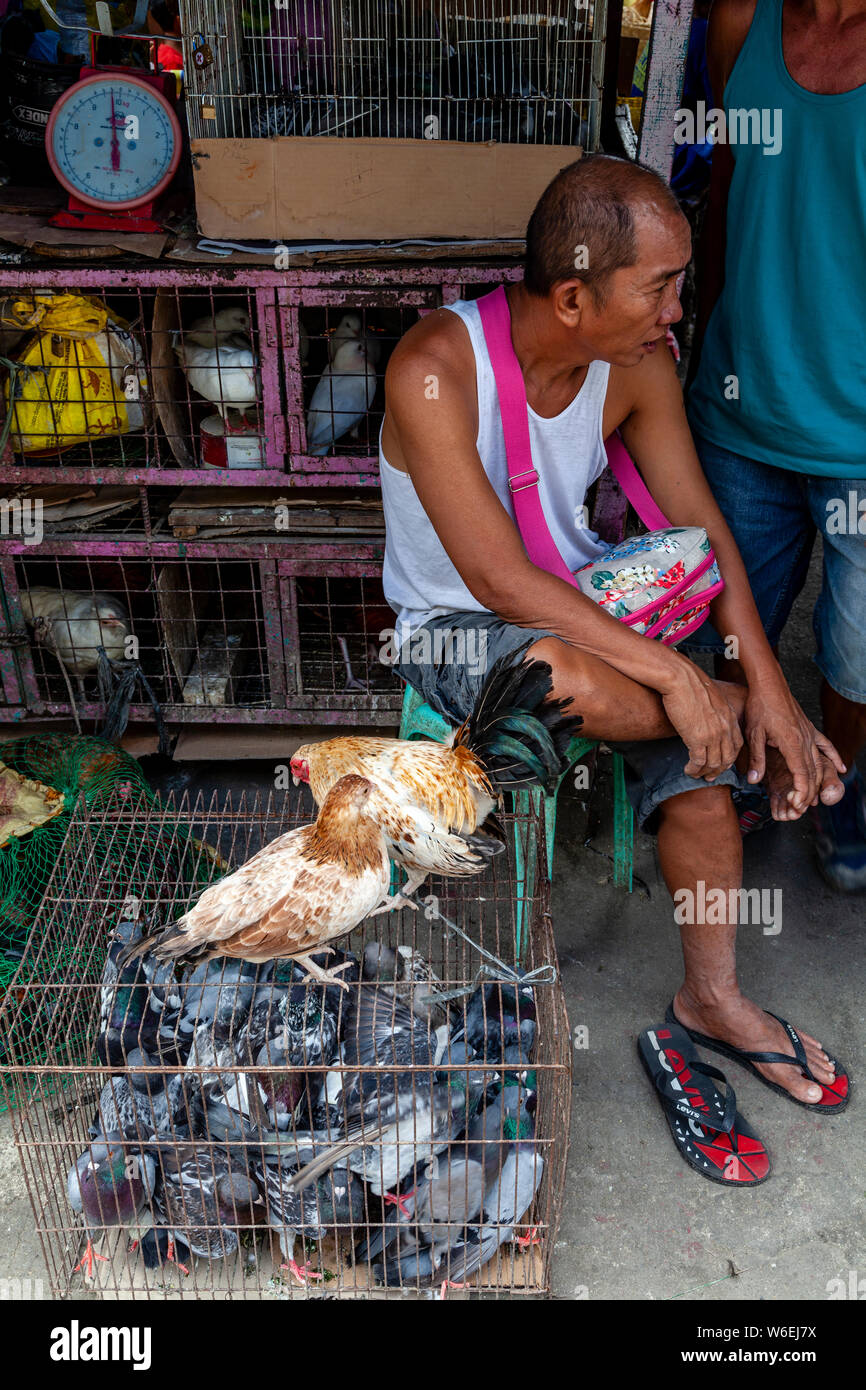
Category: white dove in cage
[224,370]
[351,328]
[222,326]
[342,397]
[76,625]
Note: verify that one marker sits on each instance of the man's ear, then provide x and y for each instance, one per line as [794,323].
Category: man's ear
[570,301]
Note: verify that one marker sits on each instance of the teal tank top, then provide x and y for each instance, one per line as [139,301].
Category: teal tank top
[782,375]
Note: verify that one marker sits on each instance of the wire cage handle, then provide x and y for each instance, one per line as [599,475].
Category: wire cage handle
[541,975]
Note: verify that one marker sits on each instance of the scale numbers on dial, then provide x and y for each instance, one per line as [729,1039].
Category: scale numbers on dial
[113,140]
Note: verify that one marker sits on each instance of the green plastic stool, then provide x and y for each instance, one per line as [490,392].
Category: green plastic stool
[419,720]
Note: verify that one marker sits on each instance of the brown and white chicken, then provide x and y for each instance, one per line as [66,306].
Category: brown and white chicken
[435,801]
[303,890]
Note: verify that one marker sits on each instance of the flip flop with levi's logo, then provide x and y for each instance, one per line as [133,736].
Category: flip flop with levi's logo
[709,1132]
[834,1097]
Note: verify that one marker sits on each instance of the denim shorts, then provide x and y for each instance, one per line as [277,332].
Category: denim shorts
[448,659]
[774,515]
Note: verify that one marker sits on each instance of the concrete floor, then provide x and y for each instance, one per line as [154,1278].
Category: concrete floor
[637,1223]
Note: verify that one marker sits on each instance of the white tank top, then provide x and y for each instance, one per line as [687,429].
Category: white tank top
[419,579]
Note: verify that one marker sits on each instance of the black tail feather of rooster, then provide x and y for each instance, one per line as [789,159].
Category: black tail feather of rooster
[516,732]
[116,690]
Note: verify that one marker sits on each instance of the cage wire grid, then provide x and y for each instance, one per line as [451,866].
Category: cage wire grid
[135,376]
[50,1019]
[220,630]
[121,383]
[196,630]
[444,70]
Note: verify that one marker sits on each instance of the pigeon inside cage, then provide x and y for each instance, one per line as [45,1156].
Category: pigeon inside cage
[210,623]
[382,68]
[208,381]
[259,1133]
[343,352]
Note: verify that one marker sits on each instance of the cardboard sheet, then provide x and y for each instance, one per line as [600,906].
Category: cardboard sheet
[301,188]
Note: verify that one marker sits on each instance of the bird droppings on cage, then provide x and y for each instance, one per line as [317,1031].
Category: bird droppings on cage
[366,68]
[260,1134]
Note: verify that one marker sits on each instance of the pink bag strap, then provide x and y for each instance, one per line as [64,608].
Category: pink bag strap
[522,476]
[633,485]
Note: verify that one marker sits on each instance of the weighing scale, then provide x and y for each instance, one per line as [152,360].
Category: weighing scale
[114,141]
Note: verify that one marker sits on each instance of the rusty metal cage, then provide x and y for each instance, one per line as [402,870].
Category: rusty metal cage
[86,1044]
[411,69]
[253,378]
[263,631]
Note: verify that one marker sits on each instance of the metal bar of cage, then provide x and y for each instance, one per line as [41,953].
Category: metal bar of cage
[175,434]
[133,857]
[282,631]
[358,68]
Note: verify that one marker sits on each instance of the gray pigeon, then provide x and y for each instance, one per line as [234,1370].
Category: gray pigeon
[405,973]
[108,1185]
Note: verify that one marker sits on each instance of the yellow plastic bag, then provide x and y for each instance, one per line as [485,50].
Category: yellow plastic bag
[80,375]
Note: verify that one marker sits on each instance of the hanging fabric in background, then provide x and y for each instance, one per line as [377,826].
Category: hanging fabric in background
[80,375]
[116,690]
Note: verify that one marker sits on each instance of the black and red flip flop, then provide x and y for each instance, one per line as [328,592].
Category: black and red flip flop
[707,1129]
[833,1098]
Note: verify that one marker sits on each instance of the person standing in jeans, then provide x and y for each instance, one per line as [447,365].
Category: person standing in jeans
[778,403]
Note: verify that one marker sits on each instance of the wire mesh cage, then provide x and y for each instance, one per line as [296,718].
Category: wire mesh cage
[171,1117]
[243,377]
[138,375]
[410,69]
[193,630]
[345,343]
[340,630]
[276,631]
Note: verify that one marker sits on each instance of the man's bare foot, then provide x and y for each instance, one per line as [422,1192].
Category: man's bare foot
[736,1020]
[780,786]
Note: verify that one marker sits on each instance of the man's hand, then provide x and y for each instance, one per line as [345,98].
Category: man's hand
[705,714]
[774,720]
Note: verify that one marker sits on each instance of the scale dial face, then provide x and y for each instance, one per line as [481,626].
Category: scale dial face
[113,141]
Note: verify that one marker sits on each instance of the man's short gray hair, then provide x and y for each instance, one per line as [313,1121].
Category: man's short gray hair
[590,204]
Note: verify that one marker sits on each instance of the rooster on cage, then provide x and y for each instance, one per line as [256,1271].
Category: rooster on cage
[308,887]
[433,798]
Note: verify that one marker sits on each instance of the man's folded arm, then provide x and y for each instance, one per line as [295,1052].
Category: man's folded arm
[436,438]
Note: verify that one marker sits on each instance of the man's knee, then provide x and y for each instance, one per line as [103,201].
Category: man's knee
[571,669]
[704,807]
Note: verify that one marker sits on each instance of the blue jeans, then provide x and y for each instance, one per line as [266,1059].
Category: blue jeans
[774,515]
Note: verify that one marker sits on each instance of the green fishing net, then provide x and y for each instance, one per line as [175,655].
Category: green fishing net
[131,851]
